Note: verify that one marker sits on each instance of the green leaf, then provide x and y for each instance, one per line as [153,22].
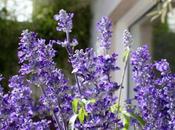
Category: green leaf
[72,121]
[92,101]
[135,116]
[127,116]
[75,105]
[138,118]
[155,17]
[81,115]
[153,13]
[126,121]
[114,108]
[126,54]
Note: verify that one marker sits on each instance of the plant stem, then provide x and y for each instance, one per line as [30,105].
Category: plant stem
[121,84]
[70,52]
[59,107]
[54,115]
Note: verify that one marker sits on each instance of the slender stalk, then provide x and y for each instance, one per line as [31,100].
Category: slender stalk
[59,107]
[54,115]
[121,84]
[70,52]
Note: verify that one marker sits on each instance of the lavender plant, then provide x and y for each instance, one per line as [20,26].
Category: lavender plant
[83,105]
[90,103]
[155,91]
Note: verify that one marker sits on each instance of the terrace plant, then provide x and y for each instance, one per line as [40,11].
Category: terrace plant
[90,103]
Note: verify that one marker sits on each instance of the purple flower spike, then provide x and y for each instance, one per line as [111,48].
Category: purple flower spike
[154,92]
[104,27]
[64,20]
[127,38]
[162,66]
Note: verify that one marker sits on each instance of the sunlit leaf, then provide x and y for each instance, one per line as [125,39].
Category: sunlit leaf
[115,108]
[81,115]
[75,105]
[126,121]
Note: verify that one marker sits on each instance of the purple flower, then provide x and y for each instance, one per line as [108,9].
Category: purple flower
[104,27]
[141,65]
[94,77]
[154,93]
[64,20]
[127,38]
[162,66]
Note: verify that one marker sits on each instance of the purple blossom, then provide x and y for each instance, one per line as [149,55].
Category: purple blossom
[64,20]
[37,69]
[47,77]
[162,66]
[104,27]
[154,93]
[127,38]
[94,76]
[65,43]
[91,98]
[17,107]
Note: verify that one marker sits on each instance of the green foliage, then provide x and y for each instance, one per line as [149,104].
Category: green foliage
[163,43]
[78,107]
[126,116]
[75,105]
[81,115]
[125,55]
[9,33]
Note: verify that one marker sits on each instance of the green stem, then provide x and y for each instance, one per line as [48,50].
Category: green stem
[70,53]
[121,85]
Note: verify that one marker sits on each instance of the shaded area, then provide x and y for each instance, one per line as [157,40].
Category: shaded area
[164,43]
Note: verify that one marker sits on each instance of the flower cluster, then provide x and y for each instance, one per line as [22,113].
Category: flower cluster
[104,27]
[127,38]
[64,21]
[154,90]
[94,77]
[88,101]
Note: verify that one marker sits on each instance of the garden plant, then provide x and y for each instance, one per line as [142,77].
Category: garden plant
[91,102]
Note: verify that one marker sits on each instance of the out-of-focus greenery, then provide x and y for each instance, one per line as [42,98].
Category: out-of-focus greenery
[163,38]
[44,25]
[162,9]
[163,43]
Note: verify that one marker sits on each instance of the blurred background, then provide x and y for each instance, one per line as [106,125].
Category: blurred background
[37,16]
